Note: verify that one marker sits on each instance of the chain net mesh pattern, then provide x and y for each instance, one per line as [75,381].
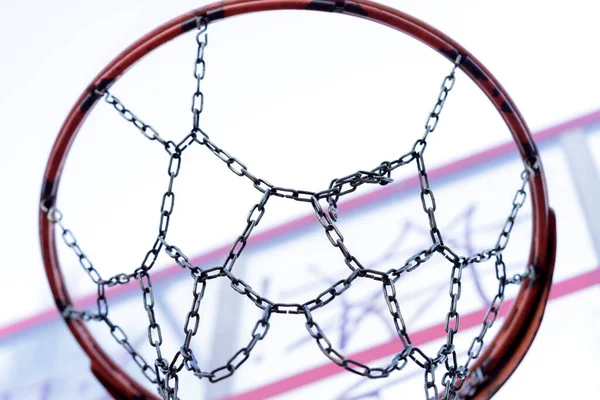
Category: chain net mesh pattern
[164,373]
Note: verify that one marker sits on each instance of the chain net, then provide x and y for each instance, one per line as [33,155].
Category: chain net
[164,372]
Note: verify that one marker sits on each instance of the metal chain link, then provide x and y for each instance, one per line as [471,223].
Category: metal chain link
[164,373]
[445,88]
[517,203]
[199,72]
[428,200]
[71,313]
[431,391]
[414,261]
[503,238]
[517,279]
[382,173]
[397,363]
[147,130]
[455,376]
[185,356]
[55,216]
[389,293]
[379,175]
[454,386]
[334,235]
[154,331]
[453,317]
[121,338]
[142,274]
[254,216]
[261,327]
[169,383]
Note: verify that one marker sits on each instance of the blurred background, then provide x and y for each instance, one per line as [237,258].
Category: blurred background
[300,98]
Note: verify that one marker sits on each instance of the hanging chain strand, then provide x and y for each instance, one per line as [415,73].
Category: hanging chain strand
[446,87]
[456,380]
[428,201]
[199,73]
[453,385]
[509,224]
[169,389]
[147,130]
[55,216]
[382,173]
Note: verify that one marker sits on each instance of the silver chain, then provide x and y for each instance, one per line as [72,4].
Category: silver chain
[434,115]
[199,73]
[164,373]
[457,374]
[147,130]
[69,312]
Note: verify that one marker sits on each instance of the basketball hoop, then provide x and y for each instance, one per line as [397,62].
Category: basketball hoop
[478,377]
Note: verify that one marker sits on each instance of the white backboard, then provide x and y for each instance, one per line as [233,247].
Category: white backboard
[300,99]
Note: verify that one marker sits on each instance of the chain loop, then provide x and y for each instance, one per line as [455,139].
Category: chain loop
[165,373]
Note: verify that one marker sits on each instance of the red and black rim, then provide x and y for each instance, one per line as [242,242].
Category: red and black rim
[500,358]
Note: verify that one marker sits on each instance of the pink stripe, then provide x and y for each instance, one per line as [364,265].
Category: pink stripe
[29,323]
[300,223]
[390,348]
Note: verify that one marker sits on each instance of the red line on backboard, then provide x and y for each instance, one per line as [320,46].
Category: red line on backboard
[390,348]
[302,222]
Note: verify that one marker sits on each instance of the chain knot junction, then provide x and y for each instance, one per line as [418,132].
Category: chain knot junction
[165,374]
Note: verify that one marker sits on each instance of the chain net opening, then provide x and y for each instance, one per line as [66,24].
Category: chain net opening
[443,371]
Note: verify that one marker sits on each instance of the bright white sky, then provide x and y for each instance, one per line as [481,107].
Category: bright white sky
[543,52]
